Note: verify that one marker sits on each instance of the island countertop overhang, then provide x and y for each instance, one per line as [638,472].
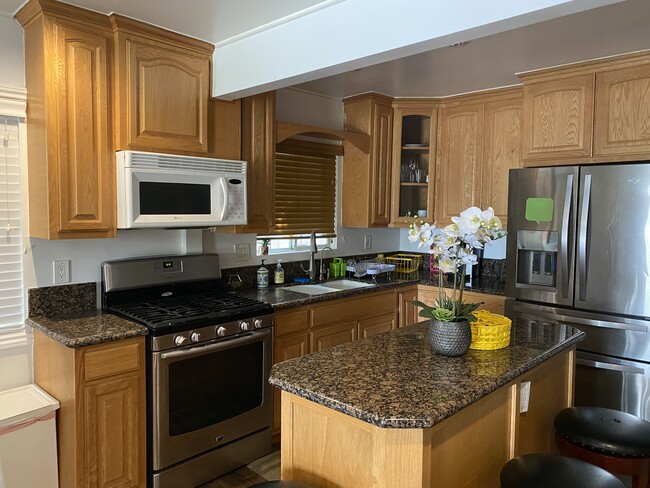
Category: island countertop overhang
[394,380]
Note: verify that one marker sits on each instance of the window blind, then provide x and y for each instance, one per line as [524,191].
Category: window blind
[305,194]
[11,263]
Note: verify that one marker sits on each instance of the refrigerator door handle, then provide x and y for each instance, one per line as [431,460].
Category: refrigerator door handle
[585,203]
[573,321]
[564,239]
[609,366]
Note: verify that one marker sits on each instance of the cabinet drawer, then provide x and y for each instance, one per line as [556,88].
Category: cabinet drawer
[353,308]
[290,321]
[112,360]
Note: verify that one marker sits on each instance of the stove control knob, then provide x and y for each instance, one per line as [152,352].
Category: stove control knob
[195,336]
[221,331]
[243,325]
[257,323]
[179,340]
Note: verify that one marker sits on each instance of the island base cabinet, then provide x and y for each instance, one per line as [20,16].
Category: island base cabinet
[326,448]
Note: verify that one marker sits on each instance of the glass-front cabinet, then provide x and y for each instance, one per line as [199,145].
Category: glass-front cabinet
[414,150]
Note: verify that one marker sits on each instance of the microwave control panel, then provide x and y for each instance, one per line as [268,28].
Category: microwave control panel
[236,212]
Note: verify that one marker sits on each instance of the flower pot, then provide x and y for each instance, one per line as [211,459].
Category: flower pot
[450,338]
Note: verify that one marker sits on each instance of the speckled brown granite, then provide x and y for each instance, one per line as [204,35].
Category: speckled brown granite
[87,329]
[78,298]
[395,380]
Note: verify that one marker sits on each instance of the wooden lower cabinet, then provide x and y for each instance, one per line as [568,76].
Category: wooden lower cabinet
[408,312]
[377,325]
[325,337]
[101,423]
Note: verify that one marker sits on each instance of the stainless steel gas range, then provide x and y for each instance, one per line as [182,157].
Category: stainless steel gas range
[209,354]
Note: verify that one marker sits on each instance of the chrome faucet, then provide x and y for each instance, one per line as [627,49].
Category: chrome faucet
[322,275]
[311,271]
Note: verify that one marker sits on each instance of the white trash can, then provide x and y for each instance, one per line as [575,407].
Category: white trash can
[28,438]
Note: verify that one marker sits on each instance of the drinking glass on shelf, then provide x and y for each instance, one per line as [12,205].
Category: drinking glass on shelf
[413,166]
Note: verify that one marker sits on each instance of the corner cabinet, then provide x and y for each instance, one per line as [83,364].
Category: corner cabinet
[414,158]
[366,193]
[162,83]
[71,167]
[102,420]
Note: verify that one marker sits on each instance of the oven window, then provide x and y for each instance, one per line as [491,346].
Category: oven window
[209,389]
[174,198]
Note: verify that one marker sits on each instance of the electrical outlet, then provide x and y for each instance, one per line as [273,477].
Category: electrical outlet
[524,396]
[242,252]
[62,271]
[367,243]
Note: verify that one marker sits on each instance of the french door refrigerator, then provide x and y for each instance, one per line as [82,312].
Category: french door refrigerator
[578,253]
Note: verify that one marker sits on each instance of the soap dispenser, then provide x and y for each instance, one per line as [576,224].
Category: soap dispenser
[262,276]
[278,276]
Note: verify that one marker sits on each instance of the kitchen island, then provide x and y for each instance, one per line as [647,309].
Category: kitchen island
[388,412]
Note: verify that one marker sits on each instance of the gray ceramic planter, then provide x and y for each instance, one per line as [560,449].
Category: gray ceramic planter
[450,338]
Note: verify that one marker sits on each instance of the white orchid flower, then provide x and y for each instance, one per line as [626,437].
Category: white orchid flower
[469,220]
[447,265]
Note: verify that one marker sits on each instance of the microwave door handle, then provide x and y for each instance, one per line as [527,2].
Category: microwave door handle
[564,235]
[582,237]
[224,191]
[612,367]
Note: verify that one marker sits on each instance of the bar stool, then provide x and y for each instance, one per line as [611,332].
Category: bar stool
[553,471]
[281,484]
[616,441]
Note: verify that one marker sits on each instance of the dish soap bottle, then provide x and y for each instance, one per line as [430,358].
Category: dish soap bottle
[278,276]
[262,276]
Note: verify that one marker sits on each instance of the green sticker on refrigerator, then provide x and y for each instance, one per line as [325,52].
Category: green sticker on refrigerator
[539,209]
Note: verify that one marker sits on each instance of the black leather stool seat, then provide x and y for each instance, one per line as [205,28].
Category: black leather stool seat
[281,484]
[605,431]
[553,471]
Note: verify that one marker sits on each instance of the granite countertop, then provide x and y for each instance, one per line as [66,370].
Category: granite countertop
[395,380]
[86,329]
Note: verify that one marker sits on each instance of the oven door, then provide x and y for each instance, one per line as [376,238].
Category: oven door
[208,395]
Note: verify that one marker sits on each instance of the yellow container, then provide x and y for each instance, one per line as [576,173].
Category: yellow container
[405,263]
[490,331]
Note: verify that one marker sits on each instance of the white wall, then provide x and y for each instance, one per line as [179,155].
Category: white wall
[494,250]
[12,65]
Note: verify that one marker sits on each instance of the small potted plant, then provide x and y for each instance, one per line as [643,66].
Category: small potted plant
[264,249]
[451,246]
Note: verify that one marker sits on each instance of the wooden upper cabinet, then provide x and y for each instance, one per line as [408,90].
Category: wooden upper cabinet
[71,165]
[162,83]
[558,117]
[366,194]
[622,113]
[460,149]
[414,160]
[258,149]
[501,152]
[224,127]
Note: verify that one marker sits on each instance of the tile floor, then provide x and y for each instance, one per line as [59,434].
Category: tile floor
[264,469]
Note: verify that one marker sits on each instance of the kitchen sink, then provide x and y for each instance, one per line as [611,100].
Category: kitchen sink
[329,287]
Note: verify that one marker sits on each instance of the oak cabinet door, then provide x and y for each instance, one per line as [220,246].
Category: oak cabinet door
[366,186]
[377,325]
[326,337]
[286,347]
[165,106]
[558,119]
[502,151]
[460,160]
[408,313]
[112,432]
[622,111]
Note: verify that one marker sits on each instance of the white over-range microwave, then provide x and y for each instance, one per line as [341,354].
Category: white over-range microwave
[166,191]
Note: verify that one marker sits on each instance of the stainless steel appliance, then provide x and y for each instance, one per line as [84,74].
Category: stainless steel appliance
[209,358]
[164,190]
[578,253]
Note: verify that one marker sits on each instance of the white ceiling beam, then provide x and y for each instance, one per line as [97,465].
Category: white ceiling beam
[336,36]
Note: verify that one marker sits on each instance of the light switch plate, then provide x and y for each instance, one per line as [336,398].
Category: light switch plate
[242,251]
[367,243]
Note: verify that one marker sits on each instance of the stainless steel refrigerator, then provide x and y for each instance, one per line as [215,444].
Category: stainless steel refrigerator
[578,253]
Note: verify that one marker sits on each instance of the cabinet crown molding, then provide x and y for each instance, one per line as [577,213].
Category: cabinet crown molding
[33,9]
[144,29]
[586,67]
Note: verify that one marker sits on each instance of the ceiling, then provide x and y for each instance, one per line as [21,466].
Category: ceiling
[483,63]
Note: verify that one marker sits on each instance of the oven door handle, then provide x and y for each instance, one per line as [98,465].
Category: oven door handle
[200,350]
